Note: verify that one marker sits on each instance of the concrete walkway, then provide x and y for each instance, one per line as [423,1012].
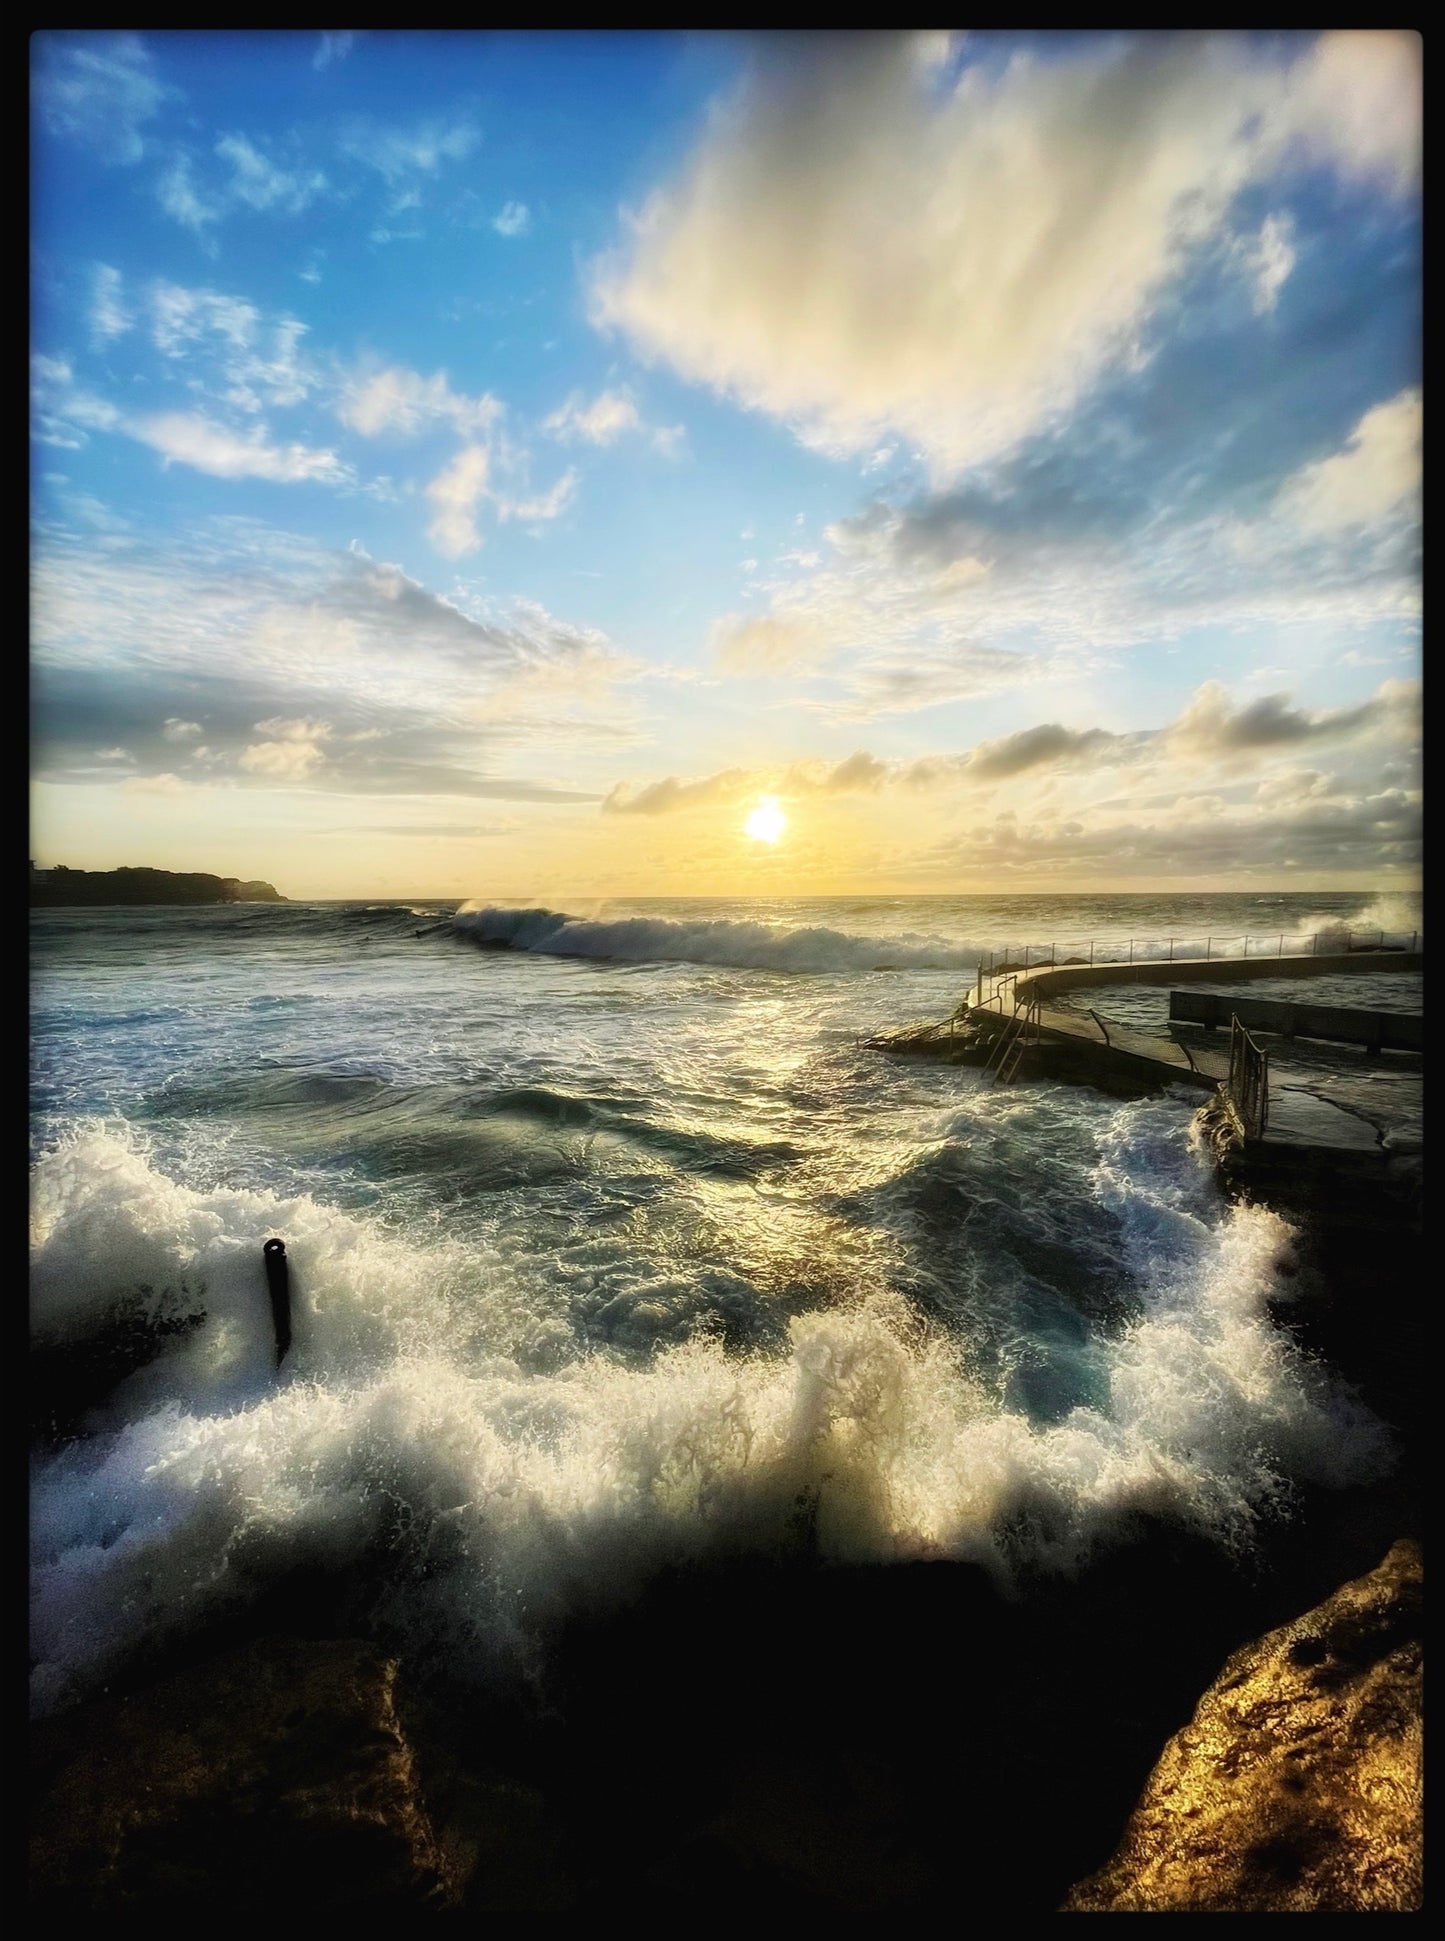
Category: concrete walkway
[1296,1116]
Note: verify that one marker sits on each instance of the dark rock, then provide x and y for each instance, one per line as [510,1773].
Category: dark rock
[1296,1788]
[275,1778]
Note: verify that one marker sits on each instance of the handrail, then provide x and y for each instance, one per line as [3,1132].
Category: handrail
[1248,1082]
[1021,957]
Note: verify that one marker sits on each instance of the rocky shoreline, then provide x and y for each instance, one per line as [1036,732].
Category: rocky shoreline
[794,1735]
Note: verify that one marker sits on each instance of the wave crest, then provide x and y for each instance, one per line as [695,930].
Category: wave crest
[722,941]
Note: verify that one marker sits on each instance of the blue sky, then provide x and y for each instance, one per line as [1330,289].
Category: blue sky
[490,465]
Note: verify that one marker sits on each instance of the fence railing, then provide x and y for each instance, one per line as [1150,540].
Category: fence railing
[1010,959]
[1248,1080]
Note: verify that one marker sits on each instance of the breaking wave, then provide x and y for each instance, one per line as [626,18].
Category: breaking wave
[723,941]
[437,1440]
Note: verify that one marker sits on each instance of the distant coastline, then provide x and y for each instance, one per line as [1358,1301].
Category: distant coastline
[61,887]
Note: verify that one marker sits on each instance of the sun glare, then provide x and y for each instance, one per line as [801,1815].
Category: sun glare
[767,821]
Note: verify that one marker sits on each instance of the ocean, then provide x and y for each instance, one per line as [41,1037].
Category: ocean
[614,1249]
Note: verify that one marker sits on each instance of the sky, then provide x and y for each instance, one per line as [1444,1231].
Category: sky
[500,464]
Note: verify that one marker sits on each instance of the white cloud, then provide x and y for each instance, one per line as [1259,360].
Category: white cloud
[182,317]
[187,438]
[1356,101]
[292,752]
[859,250]
[100,92]
[109,316]
[181,199]
[174,729]
[1375,477]
[512,219]
[545,505]
[1268,260]
[397,153]
[404,402]
[261,184]
[334,46]
[455,492]
[601,422]
[767,643]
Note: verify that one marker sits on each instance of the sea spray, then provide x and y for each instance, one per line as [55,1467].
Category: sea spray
[471,1503]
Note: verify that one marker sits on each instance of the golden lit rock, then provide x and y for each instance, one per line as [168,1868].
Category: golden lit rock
[1296,1787]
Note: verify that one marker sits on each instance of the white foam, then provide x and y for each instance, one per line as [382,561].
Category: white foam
[724,941]
[405,1422]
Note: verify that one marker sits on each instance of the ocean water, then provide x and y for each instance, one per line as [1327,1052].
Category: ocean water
[612,1247]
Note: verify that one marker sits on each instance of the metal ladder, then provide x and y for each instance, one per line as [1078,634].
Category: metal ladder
[1006,1053]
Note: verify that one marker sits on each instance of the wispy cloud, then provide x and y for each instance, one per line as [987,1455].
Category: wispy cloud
[334,46]
[183,201]
[401,155]
[187,438]
[109,316]
[402,402]
[606,418]
[101,90]
[456,492]
[262,184]
[512,219]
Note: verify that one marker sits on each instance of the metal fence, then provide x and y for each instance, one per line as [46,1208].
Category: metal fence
[1248,1081]
[1010,959]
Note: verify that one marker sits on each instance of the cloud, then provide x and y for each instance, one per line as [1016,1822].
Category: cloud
[543,505]
[1049,745]
[400,154]
[512,219]
[1210,730]
[335,46]
[253,360]
[292,752]
[600,423]
[99,91]
[174,729]
[456,492]
[1268,259]
[1356,102]
[767,643]
[187,438]
[464,485]
[181,199]
[164,784]
[261,183]
[109,316]
[1373,478]
[862,246]
[403,402]
[607,418]
[1211,727]
[1199,837]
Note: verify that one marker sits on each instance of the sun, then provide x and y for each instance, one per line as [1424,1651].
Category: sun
[767,821]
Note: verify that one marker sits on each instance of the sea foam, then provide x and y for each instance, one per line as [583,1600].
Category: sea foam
[411,1448]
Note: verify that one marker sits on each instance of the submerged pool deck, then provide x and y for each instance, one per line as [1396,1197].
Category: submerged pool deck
[1314,1153]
